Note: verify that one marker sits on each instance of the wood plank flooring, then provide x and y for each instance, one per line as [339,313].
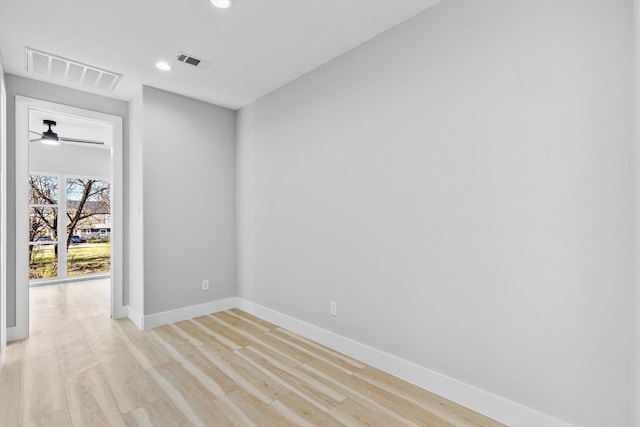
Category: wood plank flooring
[80,368]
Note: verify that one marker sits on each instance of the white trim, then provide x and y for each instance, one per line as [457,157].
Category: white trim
[135,317]
[186,313]
[491,405]
[3,213]
[21,328]
[635,309]
[14,334]
[119,312]
[23,105]
[70,175]
[69,279]
[62,225]
[118,309]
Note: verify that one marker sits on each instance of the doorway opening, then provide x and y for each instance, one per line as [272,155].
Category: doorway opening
[68,203]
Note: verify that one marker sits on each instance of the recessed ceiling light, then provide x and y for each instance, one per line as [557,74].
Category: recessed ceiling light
[163,66]
[222,4]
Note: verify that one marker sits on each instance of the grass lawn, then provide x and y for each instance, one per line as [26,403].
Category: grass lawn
[84,258]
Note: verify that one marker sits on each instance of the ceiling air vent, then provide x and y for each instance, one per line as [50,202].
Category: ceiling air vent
[70,71]
[193,60]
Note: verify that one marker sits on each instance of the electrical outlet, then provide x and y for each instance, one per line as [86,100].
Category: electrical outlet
[205,285]
[333,308]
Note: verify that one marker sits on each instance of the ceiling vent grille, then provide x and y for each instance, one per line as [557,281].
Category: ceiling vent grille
[193,60]
[70,71]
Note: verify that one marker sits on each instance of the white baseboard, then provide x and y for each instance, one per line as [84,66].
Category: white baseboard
[134,317]
[486,403]
[173,316]
[491,405]
[14,334]
[121,312]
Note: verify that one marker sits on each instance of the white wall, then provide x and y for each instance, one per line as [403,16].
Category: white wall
[188,167]
[245,189]
[135,238]
[48,92]
[462,187]
[70,160]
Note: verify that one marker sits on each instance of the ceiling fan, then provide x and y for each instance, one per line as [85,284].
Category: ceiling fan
[49,137]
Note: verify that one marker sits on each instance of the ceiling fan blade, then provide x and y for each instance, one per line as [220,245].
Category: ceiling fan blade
[35,140]
[81,141]
[37,133]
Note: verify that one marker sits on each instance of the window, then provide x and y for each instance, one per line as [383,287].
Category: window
[73,219]
[43,226]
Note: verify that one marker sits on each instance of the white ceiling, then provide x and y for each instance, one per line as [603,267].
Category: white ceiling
[256,46]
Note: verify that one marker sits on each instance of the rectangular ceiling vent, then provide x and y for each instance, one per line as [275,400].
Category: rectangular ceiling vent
[193,60]
[70,71]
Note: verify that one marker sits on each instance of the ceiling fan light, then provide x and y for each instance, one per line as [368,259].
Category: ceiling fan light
[49,137]
[222,4]
[50,141]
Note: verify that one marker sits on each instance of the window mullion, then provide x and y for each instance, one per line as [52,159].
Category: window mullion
[62,226]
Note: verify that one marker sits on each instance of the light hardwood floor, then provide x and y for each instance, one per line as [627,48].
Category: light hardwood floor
[79,367]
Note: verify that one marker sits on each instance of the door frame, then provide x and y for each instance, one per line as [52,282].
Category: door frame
[3,212]
[23,105]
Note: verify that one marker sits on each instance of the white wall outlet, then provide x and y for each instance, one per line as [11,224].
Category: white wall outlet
[333,308]
[205,285]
